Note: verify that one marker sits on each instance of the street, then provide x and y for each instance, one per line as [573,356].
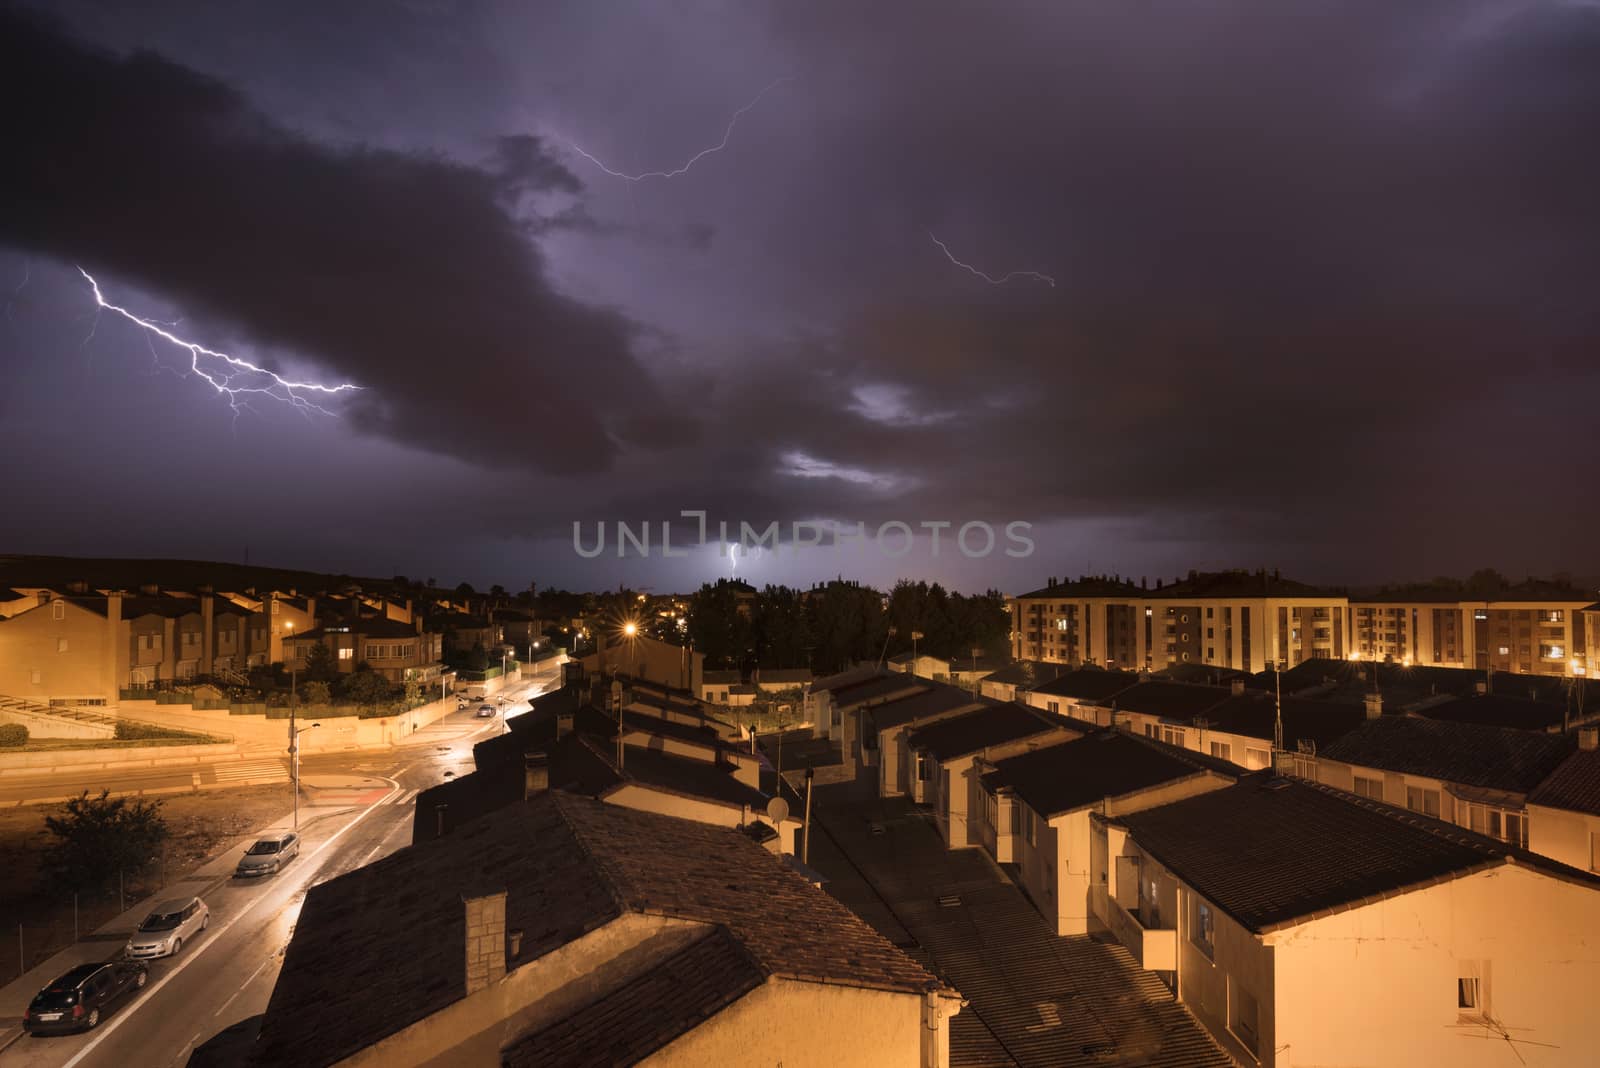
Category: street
[356,807]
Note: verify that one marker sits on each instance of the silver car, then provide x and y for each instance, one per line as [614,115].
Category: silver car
[269,854]
[168,927]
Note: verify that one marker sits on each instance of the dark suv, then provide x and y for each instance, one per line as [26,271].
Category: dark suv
[76,1000]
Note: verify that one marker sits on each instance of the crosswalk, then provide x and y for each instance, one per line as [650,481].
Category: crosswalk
[262,771]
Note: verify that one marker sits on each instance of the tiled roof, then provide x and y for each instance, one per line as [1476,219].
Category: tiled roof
[932,701]
[1023,674]
[1170,700]
[1087,684]
[1087,587]
[1574,785]
[1204,674]
[1318,722]
[844,678]
[875,688]
[671,728]
[643,1015]
[534,731]
[381,947]
[1274,850]
[1085,771]
[366,628]
[683,775]
[1498,758]
[1498,710]
[720,677]
[961,735]
[1239,585]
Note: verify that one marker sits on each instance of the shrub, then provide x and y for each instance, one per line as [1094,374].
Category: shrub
[130,731]
[13,734]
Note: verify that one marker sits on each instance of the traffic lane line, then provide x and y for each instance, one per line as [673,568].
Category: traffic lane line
[199,950]
[259,968]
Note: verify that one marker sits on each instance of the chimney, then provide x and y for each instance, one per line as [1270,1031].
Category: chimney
[1238,686]
[1482,688]
[485,939]
[535,774]
[1589,739]
[1374,705]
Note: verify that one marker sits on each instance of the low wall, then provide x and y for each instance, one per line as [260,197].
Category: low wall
[338,732]
[73,760]
[55,726]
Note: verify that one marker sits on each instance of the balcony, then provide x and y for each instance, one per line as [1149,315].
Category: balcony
[1155,947]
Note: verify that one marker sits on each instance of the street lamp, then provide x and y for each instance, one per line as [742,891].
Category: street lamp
[294,762]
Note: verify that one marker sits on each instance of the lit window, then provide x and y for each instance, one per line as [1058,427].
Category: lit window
[1505,650]
[1222,750]
[61,645]
[346,653]
[1552,652]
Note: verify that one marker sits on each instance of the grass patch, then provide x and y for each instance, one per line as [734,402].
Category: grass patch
[39,745]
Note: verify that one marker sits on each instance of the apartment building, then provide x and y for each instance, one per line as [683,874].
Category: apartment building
[1534,629]
[87,648]
[1306,926]
[394,650]
[1240,620]
[1092,620]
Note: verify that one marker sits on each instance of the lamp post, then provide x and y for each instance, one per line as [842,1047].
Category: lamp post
[631,629]
[294,763]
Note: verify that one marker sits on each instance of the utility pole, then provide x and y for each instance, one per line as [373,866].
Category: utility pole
[805,827]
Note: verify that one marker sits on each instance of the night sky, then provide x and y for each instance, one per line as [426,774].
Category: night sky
[1324,283]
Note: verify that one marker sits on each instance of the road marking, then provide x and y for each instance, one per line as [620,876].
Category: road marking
[117,1020]
[246,983]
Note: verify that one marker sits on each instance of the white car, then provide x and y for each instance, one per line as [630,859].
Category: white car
[168,927]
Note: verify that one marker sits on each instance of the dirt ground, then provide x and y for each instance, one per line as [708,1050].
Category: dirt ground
[198,824]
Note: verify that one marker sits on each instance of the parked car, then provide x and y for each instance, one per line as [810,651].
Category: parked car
[75,1001]
[166,929]
[269,854]
[484,711]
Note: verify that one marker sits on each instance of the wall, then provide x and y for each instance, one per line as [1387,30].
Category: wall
[1565,836]
[1539,939]
[77,761]
[30,643]
[342,732]
[805,1025]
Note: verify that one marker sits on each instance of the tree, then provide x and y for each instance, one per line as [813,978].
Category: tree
[316,693]
[368,688]
[477,657]
[96,838]
[319,665]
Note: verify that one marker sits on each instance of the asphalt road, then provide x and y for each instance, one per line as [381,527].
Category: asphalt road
[227,974]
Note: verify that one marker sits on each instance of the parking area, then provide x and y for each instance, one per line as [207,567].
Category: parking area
[1035,999]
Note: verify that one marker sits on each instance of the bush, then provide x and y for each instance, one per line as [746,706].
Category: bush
[13,734]
[315,693]
[98,837]
[129,731]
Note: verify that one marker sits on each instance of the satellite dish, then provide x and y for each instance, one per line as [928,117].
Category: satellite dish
[777,810]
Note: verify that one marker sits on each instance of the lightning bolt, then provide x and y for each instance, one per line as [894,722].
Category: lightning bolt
[27,273]
[697,157]
[991,279]
[228,375]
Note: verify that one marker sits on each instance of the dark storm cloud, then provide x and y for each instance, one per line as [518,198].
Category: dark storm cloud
[405,273]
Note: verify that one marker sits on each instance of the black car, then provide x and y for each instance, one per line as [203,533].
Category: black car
[76,1001]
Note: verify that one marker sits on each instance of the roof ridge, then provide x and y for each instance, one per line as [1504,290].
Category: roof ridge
[607,877]
[1438,828]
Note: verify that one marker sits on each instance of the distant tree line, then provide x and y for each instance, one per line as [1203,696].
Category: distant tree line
[833,625]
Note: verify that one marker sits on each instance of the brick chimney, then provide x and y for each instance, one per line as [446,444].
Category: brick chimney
[1237,685]
[1374,704]
[564,722]
[485,938]
[535,774]
[1589,738]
